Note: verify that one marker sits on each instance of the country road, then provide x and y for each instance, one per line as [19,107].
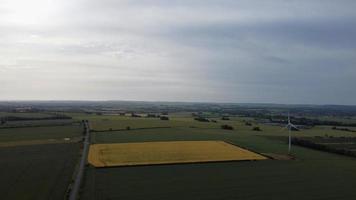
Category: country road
[74,193]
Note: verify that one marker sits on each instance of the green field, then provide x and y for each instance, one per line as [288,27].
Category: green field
[313,175]
[105,123]
[37,123]
[240,180]
[41,171]
[37,172]
[114,123]
[40,133]
[24,115]
[44,171]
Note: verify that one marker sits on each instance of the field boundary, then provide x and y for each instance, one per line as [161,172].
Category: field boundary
[38,126]
[39,142]
[74,188]
[181,163]
[131,129]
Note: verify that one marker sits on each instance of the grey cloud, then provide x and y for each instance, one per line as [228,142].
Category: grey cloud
[201,50]
[327,33]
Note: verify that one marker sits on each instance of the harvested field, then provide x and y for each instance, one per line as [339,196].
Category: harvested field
[151,153]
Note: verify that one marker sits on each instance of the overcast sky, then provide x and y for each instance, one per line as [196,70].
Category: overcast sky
[276,51]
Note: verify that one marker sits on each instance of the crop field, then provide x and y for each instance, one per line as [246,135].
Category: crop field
[306,177]
[150,153]
[24,115]
[119,122]
[291,179]
[40,133]
[37,171]
[31,168]
[38,157]
[341,145]
[177,121]
[237,180]
[38,123]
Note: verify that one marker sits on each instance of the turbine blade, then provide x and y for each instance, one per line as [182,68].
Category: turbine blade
[292,125]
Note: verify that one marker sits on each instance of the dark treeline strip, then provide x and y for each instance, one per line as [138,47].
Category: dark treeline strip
[317,122]
[301,121]
[130,129]
[15,118]
[40,125]
[344,129]
[322,147]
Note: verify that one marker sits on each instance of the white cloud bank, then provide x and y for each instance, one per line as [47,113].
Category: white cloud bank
[227,50]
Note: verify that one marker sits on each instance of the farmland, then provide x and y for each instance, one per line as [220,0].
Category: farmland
[244,180]
[339,145]
[125,140]
[150,153]
[37,123]
[278,179]
[40,133]
[119,122]
[38,157]
[274,178]
[37,171]
[24,114]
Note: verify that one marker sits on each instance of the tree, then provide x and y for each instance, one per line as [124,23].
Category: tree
[164,118]
[227,127]
[256,128]
[201,119]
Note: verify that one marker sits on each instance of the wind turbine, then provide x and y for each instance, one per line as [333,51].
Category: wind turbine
[289,127]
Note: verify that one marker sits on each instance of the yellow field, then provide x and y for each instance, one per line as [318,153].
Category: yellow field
[149,153]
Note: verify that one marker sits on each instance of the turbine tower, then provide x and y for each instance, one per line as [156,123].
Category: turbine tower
[289,127]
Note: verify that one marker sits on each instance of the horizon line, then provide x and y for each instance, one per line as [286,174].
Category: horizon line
[192,102]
